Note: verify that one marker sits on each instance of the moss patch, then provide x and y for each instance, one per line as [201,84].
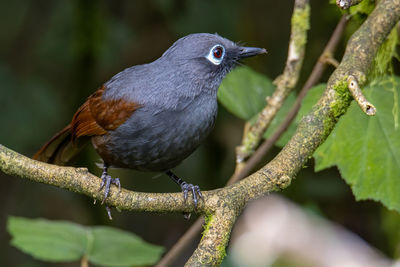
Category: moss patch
[207,222]
[343,97]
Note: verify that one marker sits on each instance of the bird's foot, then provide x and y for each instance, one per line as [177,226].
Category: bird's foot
[195,189]
[186,188]
[107,180]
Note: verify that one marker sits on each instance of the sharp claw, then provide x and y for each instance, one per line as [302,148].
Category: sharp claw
[103,180]
[187,215]
[107,189]
[108,209]
[185,194]
[118,183]
[199,193]
[102,184]
[194,196]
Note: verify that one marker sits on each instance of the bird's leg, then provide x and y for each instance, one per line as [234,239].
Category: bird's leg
[195,189]
[107,180]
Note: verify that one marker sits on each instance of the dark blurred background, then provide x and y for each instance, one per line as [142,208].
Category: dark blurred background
[54,54]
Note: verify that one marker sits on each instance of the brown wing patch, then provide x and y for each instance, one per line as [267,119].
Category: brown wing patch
[83,123]
[96,116]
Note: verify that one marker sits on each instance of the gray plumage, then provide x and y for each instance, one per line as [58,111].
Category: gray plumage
[178,98]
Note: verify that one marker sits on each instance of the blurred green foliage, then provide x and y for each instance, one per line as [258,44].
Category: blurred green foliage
[58,241]
[243,92]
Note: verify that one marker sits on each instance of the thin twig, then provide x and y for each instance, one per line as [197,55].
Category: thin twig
[329,59]
[181,244]
[359,97]
[171,256]
[284,83]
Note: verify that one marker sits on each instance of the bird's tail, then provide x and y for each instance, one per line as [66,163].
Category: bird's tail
[61,149]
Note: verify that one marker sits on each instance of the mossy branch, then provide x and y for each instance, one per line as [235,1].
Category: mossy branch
[79,180]
[222,206]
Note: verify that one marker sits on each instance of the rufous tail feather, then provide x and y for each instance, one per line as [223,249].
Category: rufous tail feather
[61,149]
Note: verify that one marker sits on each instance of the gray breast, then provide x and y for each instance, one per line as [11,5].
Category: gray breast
[157,139]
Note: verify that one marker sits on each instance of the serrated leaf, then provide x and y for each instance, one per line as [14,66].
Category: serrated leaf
[65,241]
[243,92]
[367,149]
[113,247]
[46,240]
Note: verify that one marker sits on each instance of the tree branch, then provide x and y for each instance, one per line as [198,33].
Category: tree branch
[79,180]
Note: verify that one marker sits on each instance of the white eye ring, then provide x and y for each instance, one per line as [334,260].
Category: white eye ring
[213,56]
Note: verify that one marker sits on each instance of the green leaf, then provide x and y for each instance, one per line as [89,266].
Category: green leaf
[367,149]
[65,241]
[46,240]
[113,247]
[243,92]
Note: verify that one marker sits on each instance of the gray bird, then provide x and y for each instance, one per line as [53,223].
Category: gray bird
[150,117]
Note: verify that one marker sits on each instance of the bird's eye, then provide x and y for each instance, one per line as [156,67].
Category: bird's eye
[216,54]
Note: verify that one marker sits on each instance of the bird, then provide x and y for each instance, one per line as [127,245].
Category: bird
[151,117]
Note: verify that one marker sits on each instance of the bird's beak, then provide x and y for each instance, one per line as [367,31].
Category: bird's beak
[251,51]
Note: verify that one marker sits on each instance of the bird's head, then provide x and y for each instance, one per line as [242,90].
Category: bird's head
[208,56]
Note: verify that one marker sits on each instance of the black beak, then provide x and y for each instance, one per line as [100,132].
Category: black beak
[251,51]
